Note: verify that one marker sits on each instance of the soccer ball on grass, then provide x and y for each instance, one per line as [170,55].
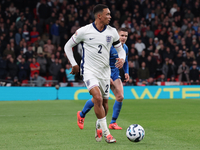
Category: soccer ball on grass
[135,133]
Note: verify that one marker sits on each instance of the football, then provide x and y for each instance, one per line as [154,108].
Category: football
[135,133]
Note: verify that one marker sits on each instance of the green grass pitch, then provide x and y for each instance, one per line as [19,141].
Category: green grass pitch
[51,125]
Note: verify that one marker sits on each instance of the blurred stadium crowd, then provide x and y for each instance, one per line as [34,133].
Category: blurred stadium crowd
[163,41]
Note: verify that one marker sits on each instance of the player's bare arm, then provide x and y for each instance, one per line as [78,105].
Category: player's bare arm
[126,77]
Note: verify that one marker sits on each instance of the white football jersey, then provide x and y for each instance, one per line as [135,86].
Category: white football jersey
[96,49]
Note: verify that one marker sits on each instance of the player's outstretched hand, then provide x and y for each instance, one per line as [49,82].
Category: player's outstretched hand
[120,62]
[126,77]
[75,69]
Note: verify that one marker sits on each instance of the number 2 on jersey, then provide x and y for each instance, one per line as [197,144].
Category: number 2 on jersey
[100,47]
[107,86]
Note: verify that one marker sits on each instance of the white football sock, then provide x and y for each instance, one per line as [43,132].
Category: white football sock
[98,126]
[103,125]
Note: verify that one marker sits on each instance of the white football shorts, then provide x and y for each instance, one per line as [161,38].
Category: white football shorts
[103,84]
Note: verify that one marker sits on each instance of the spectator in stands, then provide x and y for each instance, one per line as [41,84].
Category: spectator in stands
[192,55]
[39,81]
[162,35]
[3,66]
[16,82]
[34,67]
[149,32]
[188,59]
[75,27]
[157,56]
[194,73]
[43,63]
[12,68]
[130,82]
[172,79]
[38,27]
[188,40]
[168,68]
[28,14]
[24,47]
[26,33]
[29,53]
[51,19]
[179,58]
[50,47]
[136,62]
[158,30]
[63,36]
[3,29]
[8,52]
[195,48]
[44,12]
[162,78]
[21,21]
[55,33]
[50,60]
[18,60]
[132,54]
[140,46]
[62,75]
[168,53]
[65,60]
[151,65]
[58,55]
[150,47]
[54,69]
[23,69]
[198,58]
[70,77]
[47,54]
[151,81]
[188,15]
[183,72]
[132,70]
[14,48]
[145,38]
[158,68]
[34,35]
[18,36]
[143,72]
[142,57]
[40,41]
[1,50]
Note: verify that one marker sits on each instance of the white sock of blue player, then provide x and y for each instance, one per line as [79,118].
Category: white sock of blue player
[116,110]
[104,126]
[87,107]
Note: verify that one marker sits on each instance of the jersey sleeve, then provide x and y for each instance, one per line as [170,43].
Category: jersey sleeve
[126,67]
[118,46]
[76,38]
[115,37]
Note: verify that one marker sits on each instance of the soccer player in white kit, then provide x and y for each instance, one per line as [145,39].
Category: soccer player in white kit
[97,39]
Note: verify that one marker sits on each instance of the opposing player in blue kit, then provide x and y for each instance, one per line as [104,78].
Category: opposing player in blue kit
[115,85]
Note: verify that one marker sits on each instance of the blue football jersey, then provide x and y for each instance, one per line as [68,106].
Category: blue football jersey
[114,55]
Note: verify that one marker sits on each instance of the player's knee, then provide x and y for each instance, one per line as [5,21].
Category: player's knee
[98,100]
[120,98]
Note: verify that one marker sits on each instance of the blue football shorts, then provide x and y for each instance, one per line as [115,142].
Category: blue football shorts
[115,74]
